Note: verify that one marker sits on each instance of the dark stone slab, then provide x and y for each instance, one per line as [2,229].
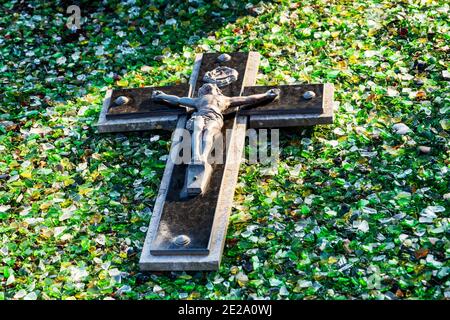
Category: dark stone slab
[141,105]
[295,119]
[291,100]
[192,216]
[143,121]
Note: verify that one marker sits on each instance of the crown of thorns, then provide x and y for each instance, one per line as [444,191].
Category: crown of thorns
[221,76]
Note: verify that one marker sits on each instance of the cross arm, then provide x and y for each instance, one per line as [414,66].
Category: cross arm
[255,99]
[159,96]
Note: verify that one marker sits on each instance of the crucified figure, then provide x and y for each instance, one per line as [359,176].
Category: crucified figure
[207,119]
[205,124]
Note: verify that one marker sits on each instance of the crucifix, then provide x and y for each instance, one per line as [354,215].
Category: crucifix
[190,217]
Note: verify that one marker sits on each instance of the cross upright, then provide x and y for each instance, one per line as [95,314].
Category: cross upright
[190,217]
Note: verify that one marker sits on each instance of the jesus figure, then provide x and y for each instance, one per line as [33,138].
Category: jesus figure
[207,119]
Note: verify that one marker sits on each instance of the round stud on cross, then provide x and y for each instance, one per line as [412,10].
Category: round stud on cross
[308,95]
[182,240]
[121,100]
[224,57]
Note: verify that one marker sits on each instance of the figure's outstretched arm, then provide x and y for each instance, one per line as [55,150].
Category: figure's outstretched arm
[254,99]
[159,96]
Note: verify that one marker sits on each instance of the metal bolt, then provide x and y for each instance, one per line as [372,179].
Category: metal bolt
[308,95]
[224,57]
[182,240]
[121,100]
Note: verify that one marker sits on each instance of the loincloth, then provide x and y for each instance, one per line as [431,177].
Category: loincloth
[204,118]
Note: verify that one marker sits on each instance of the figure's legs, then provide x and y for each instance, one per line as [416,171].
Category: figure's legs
[199,171]
[211,130]
[198,126]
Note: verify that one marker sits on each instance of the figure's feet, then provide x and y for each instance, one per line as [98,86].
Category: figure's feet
[198,176]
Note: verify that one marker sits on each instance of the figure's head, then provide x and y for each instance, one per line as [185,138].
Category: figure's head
[209,88]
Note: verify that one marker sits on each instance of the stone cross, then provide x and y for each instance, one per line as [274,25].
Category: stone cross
[190,218]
